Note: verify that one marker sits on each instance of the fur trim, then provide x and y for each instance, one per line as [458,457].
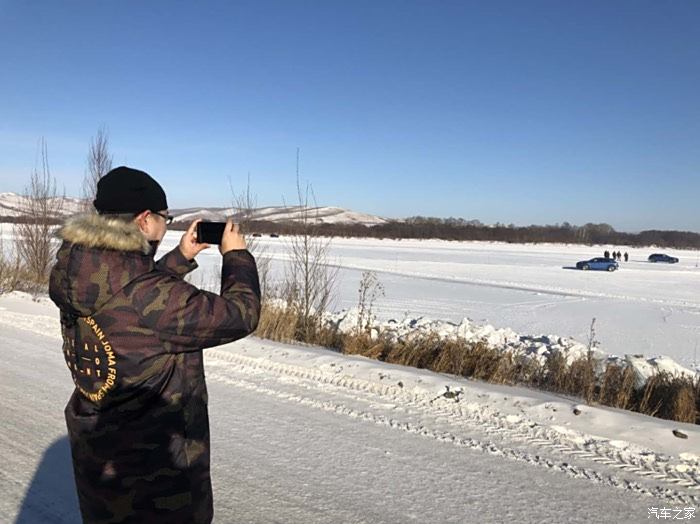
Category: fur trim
[104,233]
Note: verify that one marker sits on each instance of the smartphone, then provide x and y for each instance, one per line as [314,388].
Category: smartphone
[210,232]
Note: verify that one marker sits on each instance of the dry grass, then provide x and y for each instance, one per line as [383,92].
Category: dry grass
[664,395]
[278,323]
[671,397]
[580,378]
[14,275]
[686,403]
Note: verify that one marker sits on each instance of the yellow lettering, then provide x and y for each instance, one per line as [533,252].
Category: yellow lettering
[98,360]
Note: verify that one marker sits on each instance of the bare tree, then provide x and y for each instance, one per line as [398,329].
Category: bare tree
[43,208]
[99,163]
[369,291]
[244,204]
[310,280]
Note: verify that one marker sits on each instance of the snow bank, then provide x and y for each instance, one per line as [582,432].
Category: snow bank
[540,347]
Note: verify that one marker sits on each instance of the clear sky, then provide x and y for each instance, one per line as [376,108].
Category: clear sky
[511,111]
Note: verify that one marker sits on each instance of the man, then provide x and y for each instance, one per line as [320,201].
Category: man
[133,334]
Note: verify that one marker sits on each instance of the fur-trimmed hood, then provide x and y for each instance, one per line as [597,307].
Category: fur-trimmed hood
[97,231]
[99,257]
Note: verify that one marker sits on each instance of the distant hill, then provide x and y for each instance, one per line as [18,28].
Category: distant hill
[282,214]
[338,222]
[13,205]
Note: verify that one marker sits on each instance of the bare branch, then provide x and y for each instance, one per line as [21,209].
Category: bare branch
[99,163]
[244,204]
[310,279]
[43,207]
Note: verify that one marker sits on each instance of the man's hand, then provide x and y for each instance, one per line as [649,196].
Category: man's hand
[232,238]
[189,246]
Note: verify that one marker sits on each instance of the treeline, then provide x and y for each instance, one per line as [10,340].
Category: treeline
[460,229]
[54,221]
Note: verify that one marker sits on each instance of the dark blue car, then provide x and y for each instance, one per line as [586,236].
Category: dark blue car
[660,257]
[601,263]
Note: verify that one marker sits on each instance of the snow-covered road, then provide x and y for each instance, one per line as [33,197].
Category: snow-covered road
[306,435]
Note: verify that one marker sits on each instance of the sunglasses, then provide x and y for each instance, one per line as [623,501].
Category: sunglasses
[168,218]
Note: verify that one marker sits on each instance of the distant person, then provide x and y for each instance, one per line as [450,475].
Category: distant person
[619,256]
[606,254]
[626,256]
[133,333]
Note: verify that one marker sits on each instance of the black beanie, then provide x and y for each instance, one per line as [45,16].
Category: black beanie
[126,190]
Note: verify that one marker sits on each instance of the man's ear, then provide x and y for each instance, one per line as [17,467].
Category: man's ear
[140,220]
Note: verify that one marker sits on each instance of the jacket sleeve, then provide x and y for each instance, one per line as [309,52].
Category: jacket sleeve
[186,318]
[175,263]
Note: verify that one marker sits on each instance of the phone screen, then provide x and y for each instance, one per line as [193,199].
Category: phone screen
[210,232]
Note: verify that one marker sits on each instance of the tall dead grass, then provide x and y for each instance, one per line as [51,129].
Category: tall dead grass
[664,395]
[13,275]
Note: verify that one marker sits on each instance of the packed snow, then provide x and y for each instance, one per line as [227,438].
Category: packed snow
[306,435]
[540,348]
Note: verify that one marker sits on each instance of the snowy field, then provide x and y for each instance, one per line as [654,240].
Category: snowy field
[644,308]
[305,435]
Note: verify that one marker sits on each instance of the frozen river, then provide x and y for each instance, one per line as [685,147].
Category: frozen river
[644,308]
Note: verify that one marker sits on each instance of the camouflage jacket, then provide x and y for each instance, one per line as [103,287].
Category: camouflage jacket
[133,334]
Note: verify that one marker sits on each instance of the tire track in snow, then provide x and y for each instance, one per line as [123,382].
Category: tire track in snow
[501,433]
[469,426]
[39,324]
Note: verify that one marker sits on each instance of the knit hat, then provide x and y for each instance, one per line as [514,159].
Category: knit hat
[126,190]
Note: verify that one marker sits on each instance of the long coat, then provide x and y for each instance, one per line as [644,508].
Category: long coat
[133,334]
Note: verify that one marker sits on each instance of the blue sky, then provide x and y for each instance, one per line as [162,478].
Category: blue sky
[509,111]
